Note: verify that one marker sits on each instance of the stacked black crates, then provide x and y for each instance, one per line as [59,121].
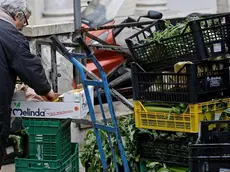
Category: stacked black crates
[204,76]
[212,152]
[203,80]
[173,152]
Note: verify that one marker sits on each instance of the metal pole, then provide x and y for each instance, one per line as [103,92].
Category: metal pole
[77,25]
[77,14]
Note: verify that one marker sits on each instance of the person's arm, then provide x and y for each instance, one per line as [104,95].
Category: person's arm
[29,69]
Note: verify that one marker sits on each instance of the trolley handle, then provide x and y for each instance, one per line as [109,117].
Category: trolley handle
[86,49]
[61,48]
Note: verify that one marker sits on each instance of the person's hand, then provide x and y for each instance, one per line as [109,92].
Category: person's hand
[50,96]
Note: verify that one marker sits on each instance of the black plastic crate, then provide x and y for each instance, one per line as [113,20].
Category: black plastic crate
[12,150]
[208,37]
[209,157]
[193,16]
[162,150]
[219,134]
[201,82]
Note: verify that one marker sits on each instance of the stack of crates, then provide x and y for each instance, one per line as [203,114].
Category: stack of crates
[50,147]
[212,152]
[201,81]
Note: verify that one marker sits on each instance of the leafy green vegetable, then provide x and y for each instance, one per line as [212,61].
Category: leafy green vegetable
[227,111]
[130,134]
[170,31]
[17,138]
[154,166]
[157,109]
[178,109]
[170,42]
[18,141]
[159,104]
[210,108]
[128,131]
[160,167]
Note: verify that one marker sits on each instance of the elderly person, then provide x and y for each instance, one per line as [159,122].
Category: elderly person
[16,60]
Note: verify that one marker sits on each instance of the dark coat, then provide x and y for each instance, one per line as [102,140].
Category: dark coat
[16,60]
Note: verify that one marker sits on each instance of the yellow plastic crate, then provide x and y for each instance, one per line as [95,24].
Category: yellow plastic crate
[187,122]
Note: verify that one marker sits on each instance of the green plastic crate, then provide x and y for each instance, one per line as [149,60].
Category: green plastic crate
[49,139]
[33,165]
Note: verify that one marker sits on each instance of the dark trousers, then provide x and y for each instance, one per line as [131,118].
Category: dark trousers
[4,130]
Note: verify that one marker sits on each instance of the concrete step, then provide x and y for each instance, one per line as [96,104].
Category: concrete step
[149,2]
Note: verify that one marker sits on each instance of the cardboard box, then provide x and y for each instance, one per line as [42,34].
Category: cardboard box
[75,110]
[78,95]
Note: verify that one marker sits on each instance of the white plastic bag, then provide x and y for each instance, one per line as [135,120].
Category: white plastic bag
[30,93]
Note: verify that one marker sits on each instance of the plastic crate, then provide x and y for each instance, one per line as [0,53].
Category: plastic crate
[209,157]
[33,165]
[208,37]
[49,139]
[12,150]
[212,150]
[187,122]
[164,151]
[220,134]
[199,83]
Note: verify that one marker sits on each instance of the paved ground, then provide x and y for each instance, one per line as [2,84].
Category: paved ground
[8,168]
[11,168]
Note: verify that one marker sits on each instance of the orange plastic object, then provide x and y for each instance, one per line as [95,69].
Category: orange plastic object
[108,60]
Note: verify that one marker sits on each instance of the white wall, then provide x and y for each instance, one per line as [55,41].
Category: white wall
[187,6]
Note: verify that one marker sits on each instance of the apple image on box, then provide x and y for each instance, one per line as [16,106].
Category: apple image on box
[17,111]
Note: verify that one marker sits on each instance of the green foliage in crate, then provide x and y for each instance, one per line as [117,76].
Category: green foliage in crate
[90,154]
[148,166]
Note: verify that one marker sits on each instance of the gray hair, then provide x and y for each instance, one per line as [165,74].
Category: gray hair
[14,6]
